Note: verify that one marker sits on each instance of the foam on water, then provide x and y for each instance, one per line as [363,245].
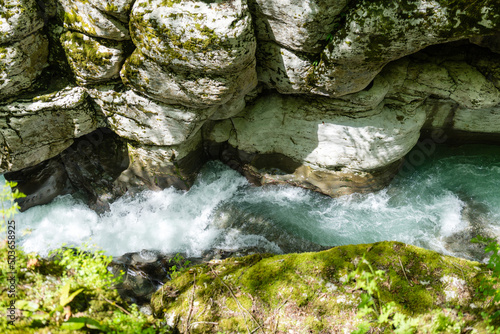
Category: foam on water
[424,208]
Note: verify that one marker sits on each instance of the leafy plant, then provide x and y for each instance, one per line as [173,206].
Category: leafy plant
[86,267]
[179,265]
[489,285]
[382,315]
[8,203]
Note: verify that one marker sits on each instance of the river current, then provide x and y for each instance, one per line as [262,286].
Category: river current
[440,204]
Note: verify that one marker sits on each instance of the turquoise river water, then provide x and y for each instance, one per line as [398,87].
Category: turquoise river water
[450,196]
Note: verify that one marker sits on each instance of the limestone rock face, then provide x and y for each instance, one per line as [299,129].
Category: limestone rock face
[215,37]
[283,69]
[90,165]
[457,89]
[93,60]
[117,8]
[315,144]
[322,139]
[297,25]
[139,119]
[18,19]
[21,62]
[375,33]
[34,131]
[184,87]
[81,16]
[159,167]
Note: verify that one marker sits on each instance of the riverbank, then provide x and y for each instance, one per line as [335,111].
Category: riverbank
[319,292]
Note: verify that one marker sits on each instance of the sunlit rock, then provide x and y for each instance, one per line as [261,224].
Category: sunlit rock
[215,37]
[117,8]
[93,60]
[36,130]
[81,16]
[198,90]
[149,122]
[18,19]
[316,145]
[21,63]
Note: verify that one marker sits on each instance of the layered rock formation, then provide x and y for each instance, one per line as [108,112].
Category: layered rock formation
[329,97]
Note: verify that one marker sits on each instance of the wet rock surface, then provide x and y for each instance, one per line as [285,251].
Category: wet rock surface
[90,166]
[147,271]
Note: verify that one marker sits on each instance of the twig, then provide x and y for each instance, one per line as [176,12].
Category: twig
[191,304]
[404,272]
[459,268]
[203,322]
[115,304]
[238,302]
[278,316]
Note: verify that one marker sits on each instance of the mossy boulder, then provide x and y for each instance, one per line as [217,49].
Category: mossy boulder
[93,60]
[204,37]
[117,8]
[168,85]
[39,129]
[18,19]
[81,16]
[376,32]
[21,63]
[311,292]
[370,34]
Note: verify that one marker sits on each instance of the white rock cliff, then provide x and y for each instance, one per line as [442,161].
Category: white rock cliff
[329,97]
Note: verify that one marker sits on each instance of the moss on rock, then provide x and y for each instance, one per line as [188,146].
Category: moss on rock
[311,292]
[92,59]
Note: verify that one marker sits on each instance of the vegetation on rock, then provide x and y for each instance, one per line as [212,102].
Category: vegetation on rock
[395,287]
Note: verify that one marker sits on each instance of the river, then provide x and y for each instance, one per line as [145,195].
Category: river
[451,196]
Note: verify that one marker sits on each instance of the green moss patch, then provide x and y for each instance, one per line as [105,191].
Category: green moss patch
[311,291]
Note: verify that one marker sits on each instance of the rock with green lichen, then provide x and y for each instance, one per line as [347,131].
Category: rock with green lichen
[168,85]
[18,19]
[376,32]
[93,60]
[39,129]
[149,122]
[297,25]
[311,292]
[21,63]
[457,87]
[200,36]
[81,16]
[117,8]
